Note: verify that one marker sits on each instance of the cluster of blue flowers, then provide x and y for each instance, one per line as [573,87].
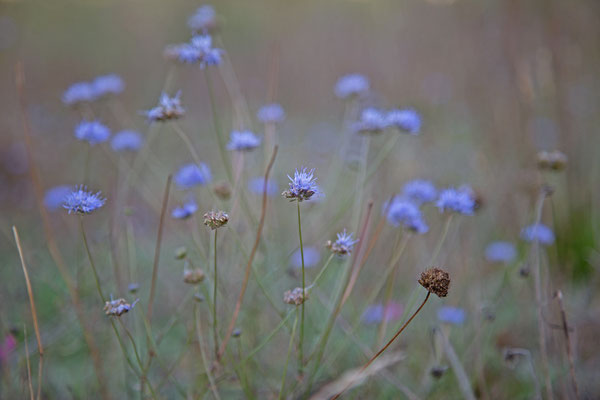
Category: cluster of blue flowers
[90,91]
[374,120]
[93,132]
[461,200]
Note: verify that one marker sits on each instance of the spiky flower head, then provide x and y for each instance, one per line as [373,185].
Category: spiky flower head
[407,120]
[351,85]
[118,307]
[168,108]
[436,281]
[420,191]
[344,243]
[190,175]
[456,200]
[271,114]
[92,132]
[538,232]
[243,141]
[552,160]
[295,297]
[215,219]
[127,141]
[81,201]
[403,212]
[302,186]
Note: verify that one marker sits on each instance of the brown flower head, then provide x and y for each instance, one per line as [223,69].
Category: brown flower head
[223,190]
[118,307]
[295,296]
[193,276]
[215,219]
[551,160]
[436,281]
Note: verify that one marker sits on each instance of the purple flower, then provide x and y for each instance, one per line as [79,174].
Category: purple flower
[92,132]
[452,315]
[168,108]
[82,201]
[407,120]
[127,141]
[374,314]
[79,92]
[108,84]
[403,212]
[351,85]
[302,186]
[185,211]
[502,252]
[55,197]
[243,141]
[271,113]
[204,19]
[191,175]
[538,232]
[311,257]
[420,190]
[344,243]
[456,200]
[256,185]
[371,120]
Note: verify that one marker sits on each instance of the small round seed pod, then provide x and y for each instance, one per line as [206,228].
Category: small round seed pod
[215,219]
[180,253]
[193,276]
[436,281]
[223,190]
[295,297]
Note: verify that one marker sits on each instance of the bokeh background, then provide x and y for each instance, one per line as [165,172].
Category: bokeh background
[495,82]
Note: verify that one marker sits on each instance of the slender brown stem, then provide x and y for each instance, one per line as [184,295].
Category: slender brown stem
[384,348]
[259,230]
[27,363]
[161,225]
[565,326]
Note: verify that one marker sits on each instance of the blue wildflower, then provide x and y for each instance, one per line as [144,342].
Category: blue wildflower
[92,132]
[503,252]
[375,313]
[191,175]
[351,85]
[538,232]
[452,315]
[118,307]
[302,186]
[344,243]
[55,197]
[185,211]
[271,113]
[407,120]
[420,190]
[82,201]
[79,92]
[311,257]
[403,212]
[127,141]
[243,141]
[204,19]
[168,108]
[371,120]
[256,185]
[108,84]
[456,200]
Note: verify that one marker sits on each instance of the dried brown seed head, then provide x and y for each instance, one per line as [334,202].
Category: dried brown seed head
[215,219]
[193,276]
[436,281]
[295,296]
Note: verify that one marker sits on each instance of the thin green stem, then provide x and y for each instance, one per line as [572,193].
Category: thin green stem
[321,272]
[89,254]
[440,242]
[213,386]
[287,359]
[214,305]
[218,129]
[301,344]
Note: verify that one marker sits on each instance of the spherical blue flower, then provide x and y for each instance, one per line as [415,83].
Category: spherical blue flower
[168,108]
[452,315]
[407,120]
[243,140]
[351,85]
[185,211]
[82,201]
[403,212]
[256,185]
[344,243]
[311,257]
[302,186]
[203,19]
[55,197]
[271,113]
[456,200]
[371,120]
[108,84]
[538,232]
[79,92]
[127,141]
[420,190]
[191,175]
[92,132]
[503,252]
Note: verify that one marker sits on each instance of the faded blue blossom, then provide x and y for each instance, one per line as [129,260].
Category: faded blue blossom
[108,84]
[344,243]
[92,132]
[456,200]
[374,313]
[118,307]
[185,211]
[452,315]
[55,197]
[351,85]
[311,257]
[403,212]
[271,113]
[372,120]
[407,120]
[538,232]
[199,50]
[420,190]
[127,141]
[79,92]
[82,201]
[191,175]
[302,186]
[168,108]
[501,252]
[256,186]
[243,141]
[203,20]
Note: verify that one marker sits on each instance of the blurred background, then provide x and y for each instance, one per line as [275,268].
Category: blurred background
[495,83]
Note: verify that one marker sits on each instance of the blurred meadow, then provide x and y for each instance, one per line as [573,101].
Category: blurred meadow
[455,134]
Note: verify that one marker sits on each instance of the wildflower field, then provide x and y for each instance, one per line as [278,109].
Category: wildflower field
[299,200]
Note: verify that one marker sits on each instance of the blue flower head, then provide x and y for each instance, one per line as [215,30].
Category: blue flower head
[82,201]
[500,252]
[311,257]
[351,85]
[127,141]
[403,212]
[344,243]
[375,313]
[271,114]
[243,141]
[371,120]
[407,120]
[204,19]
[79,92]
[302,186]
[191,175]
[108,84]
[420,190]
[538,232]
[185,211]
[456,200]
[92,132]
[452,315]
[168,108]
[256,186]
[55,197]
